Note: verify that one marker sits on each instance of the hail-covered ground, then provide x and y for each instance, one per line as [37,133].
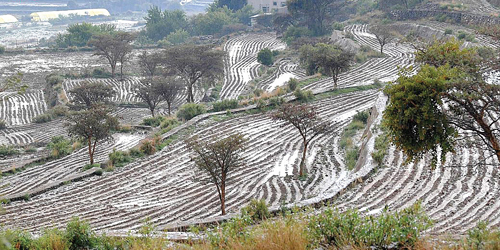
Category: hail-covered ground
[165,188]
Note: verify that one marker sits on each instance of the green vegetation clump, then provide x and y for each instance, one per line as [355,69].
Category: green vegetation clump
[89,166]
[3,124]
[462,35]
[257,210]
[148,147]
[153,121]
[2,50]
[43,118]
[350,229]
[79,235]
[293,84]
[303,95]
[119,158]
[265,57]
[8,150]
[225,105]
[189,110]
[60,147]
[346,142]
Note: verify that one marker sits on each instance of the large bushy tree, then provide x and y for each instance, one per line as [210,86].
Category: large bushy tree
[306,120]
[168,88]
[115,48]
[231,4]
[149,63]
[218,159]
[93,125]
[88,94]
[448,95]
[161,23]
[149,95]
[313,12]
[328,59]
[194,62]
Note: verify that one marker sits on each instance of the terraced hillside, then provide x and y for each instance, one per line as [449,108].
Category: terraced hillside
[162,186]
[18,109]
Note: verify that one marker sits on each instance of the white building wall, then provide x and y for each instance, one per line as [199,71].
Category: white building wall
[268,6]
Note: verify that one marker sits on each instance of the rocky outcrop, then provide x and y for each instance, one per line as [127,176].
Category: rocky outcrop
[456,17]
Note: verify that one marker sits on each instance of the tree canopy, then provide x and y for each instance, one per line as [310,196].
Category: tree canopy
[91,93]
[231,4]
[115,48]
[80,34]
[194,62]
[218,158]
[161,23]
[428,111]
[313,12]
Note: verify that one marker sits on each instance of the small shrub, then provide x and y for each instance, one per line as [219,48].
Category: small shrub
[466,36]
[153,121]
[43,118]
[3,124]
[338,26]
[26,197]
[257,92]
[59,111]
[225,105]
[54,79]
[169,122]
[303,95]
[293,84]
[89,166]
[276,101]
[148,147]
[119,158]
[100,73]
[79,235]
[189,110]
[8,150]
[2,49]
[265,57]
[52,239]
[361,116]
[135,153]
[351,157]
[98,172]
[257,210]
[261,104]
[60,147]
[448,32]
[21,240]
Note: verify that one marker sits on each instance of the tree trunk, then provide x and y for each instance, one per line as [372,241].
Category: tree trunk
[90,151]
[223,200]
[152,112]
[381,48]
[190,93]
[302,169]
[121,71]
[335,80]
[113,67]
[489,135]
[168,106]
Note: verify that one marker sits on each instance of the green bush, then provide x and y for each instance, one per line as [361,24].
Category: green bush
[153,121]
[293,84]
[448,32]
[79,234]
[466,36]
[7,150]
[89,166]
[21,240]
[338,26]
[303,95]
[293,33]
[43,118]
[99,172]
[59,111]
[276,101]
[148,147]
[51,239]
[54,79]
[351,157]
[257,210]
[60,147]
[351,230]
[225,105]
[361,116]
[100,73]
[257,92]
[135,153]
[2,49]
[177,37]
[119,158]
[265,56]
[189,110]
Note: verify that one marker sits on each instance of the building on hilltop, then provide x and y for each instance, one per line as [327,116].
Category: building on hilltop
[269,6]
[48,15]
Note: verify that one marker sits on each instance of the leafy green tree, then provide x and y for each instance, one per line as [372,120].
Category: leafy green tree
[93,125]
[194,62]
[91,93]
[159,24]
[212,22]
[327,59]
[306,120]
[218,158]
[448,95]
[148,94]
[80,34]
[314,12]
[178,37]
[265,56]
[115,48]
[231,4]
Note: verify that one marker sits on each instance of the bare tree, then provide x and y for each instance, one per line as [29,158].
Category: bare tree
[219,159]
[193,62]
[384,35]
[148,94]
[93,125]
[88,94]
[113,47]
[168,87]
[305,119]
[149,63]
